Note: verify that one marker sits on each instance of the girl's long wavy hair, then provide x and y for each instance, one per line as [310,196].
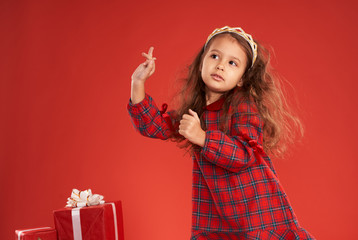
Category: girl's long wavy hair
[260,85]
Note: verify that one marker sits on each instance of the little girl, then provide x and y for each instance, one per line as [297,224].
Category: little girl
[232,113]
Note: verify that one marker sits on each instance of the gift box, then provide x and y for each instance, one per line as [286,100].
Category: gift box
[103,221]
[42,233]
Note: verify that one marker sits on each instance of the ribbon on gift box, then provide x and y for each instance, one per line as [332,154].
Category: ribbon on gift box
[81,199]
[21,232]
[84,198]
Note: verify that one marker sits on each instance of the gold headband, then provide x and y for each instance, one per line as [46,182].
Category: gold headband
[240,32]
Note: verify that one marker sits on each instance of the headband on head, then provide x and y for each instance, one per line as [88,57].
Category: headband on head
[240,32]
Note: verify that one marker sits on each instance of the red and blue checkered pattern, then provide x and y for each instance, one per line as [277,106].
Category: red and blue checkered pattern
[236,192]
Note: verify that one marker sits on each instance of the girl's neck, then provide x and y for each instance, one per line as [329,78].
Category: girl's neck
[212,97]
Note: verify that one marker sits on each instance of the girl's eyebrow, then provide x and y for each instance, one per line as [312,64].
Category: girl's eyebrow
[216,50]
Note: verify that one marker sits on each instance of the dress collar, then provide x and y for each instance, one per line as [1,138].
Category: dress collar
[215,106]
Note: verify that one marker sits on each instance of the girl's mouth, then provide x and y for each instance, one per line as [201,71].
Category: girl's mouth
[217,77]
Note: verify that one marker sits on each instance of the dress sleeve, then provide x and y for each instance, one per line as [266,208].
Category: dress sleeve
[235,151]
[148,120]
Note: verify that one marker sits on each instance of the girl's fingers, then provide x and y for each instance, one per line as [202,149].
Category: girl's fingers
[150,52]
[149,64]
[186,122]
[152,66]
[194,114]
[146,63]
[182,122]
[149,69]
[186,116]
[146,56]
[149,55]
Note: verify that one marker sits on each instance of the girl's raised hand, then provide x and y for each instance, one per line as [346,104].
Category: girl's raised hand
[146,69]
[190,128]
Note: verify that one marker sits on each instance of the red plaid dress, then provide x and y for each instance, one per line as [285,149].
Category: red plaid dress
[236,193]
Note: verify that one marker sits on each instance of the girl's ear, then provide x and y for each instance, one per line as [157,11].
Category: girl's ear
[240,83]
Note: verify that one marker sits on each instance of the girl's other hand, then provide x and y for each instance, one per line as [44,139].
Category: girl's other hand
[190,128]
[146,69]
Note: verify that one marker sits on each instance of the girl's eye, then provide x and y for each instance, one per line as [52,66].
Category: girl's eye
[214,56]
[232,63]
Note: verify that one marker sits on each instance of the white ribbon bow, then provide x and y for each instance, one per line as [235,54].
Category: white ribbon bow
[84,198]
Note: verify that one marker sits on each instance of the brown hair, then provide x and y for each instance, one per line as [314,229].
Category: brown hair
[260,86]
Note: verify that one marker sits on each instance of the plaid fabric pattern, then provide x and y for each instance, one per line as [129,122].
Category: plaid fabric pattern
[236,193]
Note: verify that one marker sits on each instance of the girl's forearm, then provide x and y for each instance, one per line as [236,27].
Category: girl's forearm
[140,75]
[137,92]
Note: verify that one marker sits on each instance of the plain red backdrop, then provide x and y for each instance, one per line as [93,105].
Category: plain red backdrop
[65,82]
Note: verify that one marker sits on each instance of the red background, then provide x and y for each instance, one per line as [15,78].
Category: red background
[65,82]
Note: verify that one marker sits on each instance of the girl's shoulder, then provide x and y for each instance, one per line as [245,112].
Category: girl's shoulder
[246,121]
[246,113]
[245,106]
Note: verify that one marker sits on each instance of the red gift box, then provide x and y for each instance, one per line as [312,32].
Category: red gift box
[104,221]
[43,233]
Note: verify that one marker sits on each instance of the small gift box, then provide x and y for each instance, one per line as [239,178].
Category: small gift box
[90,219]
[42,233]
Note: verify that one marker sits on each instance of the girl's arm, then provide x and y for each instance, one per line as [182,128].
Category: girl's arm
[232,152]
[148,120]
[145,115]
[236,151]
[140,75]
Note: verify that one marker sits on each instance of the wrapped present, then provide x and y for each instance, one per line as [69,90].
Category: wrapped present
[42,233]
[92,220]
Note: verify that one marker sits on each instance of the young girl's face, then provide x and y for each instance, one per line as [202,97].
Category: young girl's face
[223,65]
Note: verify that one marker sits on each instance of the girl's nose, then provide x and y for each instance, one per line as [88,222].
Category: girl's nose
[220,67]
